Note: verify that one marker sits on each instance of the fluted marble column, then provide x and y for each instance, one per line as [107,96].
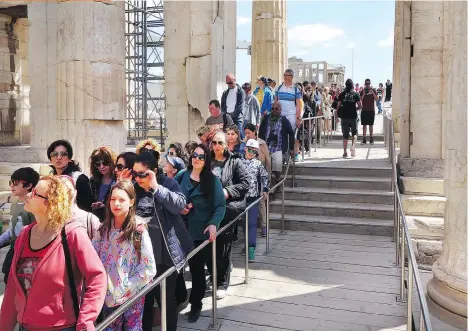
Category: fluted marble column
[81,94]
[269,39]
[448,288]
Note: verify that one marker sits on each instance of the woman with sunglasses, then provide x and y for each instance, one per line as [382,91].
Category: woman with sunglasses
[124,161]
[234,143]
[102,165]
[40,295]
[60,154]
[205,210]
[230,169]
[176,150]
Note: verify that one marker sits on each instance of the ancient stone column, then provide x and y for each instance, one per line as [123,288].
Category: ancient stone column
[448,288]
[78,82]
[269,39]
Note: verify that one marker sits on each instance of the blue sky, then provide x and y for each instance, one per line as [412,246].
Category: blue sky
[340,26]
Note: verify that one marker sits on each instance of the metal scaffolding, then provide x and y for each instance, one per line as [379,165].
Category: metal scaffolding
[144,70]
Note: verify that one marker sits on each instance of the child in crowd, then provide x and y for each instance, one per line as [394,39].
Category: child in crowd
[22,182]
[173,165]
[259,185]
[124,247]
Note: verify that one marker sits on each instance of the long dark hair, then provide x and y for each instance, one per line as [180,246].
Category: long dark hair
[206,176]
[129,158]
[129,225]
[104,154]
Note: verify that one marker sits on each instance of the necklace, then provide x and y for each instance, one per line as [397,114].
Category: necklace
[35,232]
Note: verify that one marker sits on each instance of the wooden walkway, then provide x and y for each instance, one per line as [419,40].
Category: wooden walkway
[311,281]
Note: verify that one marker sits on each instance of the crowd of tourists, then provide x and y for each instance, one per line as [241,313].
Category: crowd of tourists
[80,247]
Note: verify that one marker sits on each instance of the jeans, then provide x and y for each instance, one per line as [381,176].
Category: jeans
[171,305]
[253,216]
[130,320]
[379,106]
[197,269]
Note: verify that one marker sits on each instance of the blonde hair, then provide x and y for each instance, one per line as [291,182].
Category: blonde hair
[143,143]
[59,202]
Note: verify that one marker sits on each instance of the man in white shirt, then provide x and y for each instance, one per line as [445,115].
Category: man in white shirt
[232,102]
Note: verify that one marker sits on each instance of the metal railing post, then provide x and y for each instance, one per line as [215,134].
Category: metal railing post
[303,139]
[163,305]
[309,137]
[315,133]
[282,208]
[422,324]
[294,172]
[247,248]
[267,242]
[409,293]
[398,236]
[214,284]
[402,274]
[395,215]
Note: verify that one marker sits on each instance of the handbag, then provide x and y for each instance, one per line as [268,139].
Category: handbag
[71,279]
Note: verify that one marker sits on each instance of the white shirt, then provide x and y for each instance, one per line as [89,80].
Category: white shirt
[231,100]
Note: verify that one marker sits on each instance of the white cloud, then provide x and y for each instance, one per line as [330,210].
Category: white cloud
[243,20]
[297,53]
[387,42]
[309,34]
[351,45]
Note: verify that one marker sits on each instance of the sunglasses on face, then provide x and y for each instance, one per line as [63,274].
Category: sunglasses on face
[120,167]
[57,154]
[139,174]
[251,150]
[220,143]
[35,194]
[15,182]
[171,153]
[201,157]
[101,164]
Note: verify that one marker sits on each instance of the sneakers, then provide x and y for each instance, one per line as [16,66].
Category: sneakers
[353,152]
[194,315]
[264,231]
[371,140]
[251,254]
[296,157]
[364,141]
[221,293]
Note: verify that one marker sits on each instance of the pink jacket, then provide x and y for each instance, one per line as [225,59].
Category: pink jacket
[49,305]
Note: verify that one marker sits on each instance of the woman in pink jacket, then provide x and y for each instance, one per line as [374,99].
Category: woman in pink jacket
[39,295]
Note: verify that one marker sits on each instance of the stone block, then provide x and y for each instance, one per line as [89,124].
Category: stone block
[426,63]
[430,247]
[427,131]
[199,95]
[423,205]
[425,186]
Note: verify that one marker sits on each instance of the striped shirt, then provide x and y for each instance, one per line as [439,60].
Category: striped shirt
[287,97]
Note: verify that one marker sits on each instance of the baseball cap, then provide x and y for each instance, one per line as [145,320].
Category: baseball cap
[252,143]
[176,162]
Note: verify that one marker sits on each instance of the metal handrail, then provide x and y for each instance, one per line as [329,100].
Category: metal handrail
[161,280]
[403,240]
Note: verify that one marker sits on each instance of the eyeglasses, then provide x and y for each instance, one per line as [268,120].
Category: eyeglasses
[220,143]
[57,154]
[120,167]
[229,83]
[35,194]
[139,174]
[251,150]
[201,157]
[15,182]
[287,75]
[101,164]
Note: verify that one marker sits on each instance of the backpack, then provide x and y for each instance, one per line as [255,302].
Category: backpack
[296,90]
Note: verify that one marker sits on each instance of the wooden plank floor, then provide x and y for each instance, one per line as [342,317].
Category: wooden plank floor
[311,281]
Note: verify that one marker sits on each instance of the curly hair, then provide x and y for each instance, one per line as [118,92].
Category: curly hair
[59,202]
[147,142]
[104,154]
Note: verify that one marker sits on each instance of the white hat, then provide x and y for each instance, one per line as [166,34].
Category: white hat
[252,143]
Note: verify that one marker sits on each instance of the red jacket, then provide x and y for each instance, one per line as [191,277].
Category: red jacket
[49,305]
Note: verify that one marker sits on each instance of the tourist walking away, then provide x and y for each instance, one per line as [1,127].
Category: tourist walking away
[276,130]
[148,144]
[259,186]
[205,210]
[251,132]
[264,95]
[22,181]
[230,169]
[368,98]
[57,281]
[60,154]
[124,247]
[252,111]
[125,162]
[348,105]
[159,202]
[218,120]
[380,95]
[234,143]
[388,90]
[289,96]
[232,101]
[102,165]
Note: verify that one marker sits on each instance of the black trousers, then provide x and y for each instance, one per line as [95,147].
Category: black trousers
[197,269]
[171,305]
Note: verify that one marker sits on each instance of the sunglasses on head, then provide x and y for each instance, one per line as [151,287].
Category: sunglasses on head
[57,154]
[139,174]
[201,157]
[35,194]
[101,164]
[220,143]
[120,167]
[15,182]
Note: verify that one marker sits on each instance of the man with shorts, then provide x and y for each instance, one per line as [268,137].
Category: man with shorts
[348,104]
[368,98]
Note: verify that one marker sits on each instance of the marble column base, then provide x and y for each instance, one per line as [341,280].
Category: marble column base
[448,298]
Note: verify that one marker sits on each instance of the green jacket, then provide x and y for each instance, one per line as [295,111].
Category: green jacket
[205,211]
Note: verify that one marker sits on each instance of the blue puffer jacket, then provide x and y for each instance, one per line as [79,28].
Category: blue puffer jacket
[268,98]
[169,201]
